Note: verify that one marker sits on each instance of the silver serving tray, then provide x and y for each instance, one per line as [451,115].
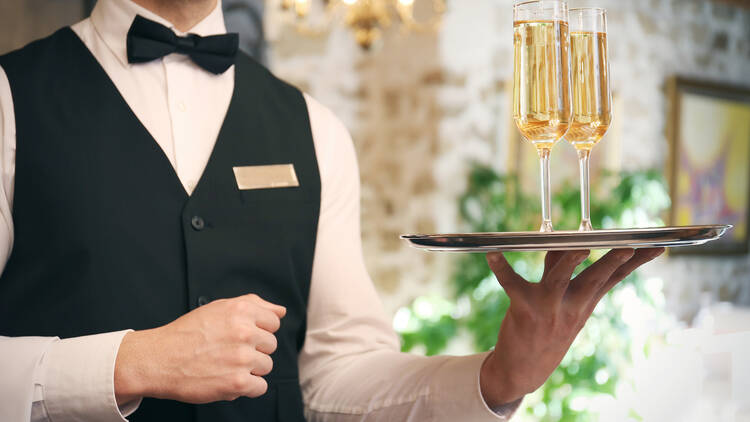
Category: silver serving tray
[568,240]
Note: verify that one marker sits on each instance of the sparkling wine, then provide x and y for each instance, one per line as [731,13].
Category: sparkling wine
[592,102]
[541,97]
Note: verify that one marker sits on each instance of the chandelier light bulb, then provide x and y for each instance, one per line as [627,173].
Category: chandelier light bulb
[366,18]
[302,7]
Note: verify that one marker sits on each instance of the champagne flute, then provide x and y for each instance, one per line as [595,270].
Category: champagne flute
[592,95]
[541,81]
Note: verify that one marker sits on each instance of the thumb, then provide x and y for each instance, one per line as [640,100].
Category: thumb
[506,275]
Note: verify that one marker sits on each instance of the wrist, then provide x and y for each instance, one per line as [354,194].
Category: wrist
[498,384]
[131,377]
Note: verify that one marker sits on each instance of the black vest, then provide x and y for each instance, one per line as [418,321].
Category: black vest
[106,238]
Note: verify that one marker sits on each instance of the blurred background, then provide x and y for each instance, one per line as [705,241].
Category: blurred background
[425,89]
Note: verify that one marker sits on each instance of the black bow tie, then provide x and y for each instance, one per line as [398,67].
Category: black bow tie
[149,40]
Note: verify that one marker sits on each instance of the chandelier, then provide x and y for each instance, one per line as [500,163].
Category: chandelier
[366,18]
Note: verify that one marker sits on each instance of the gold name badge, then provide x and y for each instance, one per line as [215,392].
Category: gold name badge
[266,177]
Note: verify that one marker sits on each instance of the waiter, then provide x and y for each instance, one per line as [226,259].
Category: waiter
[180,240]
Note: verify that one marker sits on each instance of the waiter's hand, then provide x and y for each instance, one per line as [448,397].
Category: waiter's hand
[544,318]
[217,352]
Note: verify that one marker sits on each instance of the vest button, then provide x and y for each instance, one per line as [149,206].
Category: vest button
[202,300]
[198,223]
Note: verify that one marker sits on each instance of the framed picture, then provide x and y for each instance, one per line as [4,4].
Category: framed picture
[709,161]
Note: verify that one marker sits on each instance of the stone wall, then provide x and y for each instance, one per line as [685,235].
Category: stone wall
[422,107]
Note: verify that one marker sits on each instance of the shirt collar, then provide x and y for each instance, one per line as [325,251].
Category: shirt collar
[112,20]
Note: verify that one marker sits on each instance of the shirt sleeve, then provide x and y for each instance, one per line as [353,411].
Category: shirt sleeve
[7,167]
[19,359]
[45,378]
[351,368]
[77,377]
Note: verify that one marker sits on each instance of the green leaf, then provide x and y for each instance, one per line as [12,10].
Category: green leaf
[495,202]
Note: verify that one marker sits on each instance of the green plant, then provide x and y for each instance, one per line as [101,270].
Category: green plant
[603,351]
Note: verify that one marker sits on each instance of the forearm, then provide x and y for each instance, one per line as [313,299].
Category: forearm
[388,385]
[499,389]
[131,371]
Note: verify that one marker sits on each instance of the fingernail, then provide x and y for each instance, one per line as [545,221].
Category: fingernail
[625,254]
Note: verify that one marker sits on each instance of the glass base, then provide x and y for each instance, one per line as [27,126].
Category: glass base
[546,227]
[585,226]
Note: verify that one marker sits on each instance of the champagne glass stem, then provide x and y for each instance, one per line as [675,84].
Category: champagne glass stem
[583,163]
[546,199]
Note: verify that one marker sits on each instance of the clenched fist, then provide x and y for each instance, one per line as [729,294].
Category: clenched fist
[219,351]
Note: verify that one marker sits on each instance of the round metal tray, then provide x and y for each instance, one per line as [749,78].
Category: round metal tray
[568,240]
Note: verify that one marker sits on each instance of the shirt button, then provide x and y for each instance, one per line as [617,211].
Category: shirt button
[202,300]
[181,106]
[197,223]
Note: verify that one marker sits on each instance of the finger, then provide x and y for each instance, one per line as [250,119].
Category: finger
[640,257]
[256,387]
[506,275]
[558,277]
[265,342]
[277,309]
[267,320]
[243,383]
[550,260]
[590,280]
[262,364]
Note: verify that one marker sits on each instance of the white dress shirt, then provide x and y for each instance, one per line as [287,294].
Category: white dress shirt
[350,367]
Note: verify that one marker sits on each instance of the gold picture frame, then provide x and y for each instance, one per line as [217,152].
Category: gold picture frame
[708,168]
